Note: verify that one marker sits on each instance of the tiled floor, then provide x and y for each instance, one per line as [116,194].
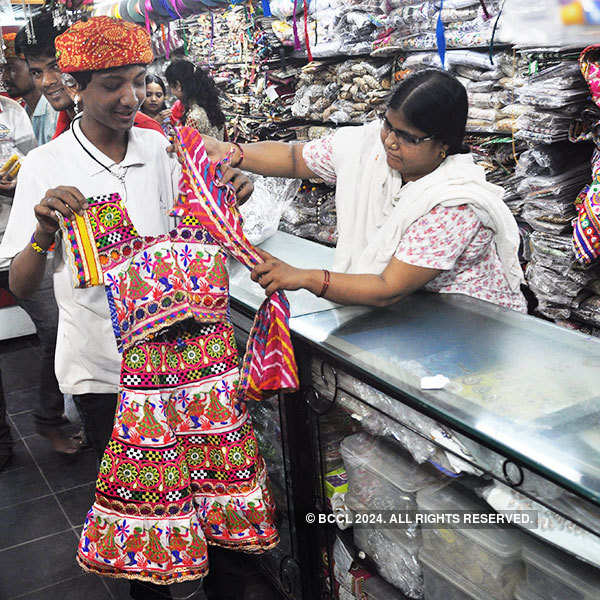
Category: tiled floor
[43,501]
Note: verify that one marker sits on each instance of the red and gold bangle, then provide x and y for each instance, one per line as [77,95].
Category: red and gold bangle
[326,278]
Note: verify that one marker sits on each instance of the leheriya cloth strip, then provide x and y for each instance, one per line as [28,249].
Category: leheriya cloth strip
[269,363]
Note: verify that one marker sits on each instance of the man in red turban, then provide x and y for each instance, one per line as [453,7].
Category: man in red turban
[102,153]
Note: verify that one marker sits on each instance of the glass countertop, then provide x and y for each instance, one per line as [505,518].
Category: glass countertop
[299,253]
[521,385]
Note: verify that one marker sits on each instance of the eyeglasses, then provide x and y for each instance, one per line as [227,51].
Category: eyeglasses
[401,135]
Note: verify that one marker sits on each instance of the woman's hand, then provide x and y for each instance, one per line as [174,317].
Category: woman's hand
[163,115]
[241,182]
[215,149]
[64,200]
[274,274]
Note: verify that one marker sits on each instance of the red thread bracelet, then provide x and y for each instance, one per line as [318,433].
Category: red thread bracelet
[326,278]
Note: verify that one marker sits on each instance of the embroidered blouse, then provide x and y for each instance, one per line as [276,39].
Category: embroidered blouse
[198,119]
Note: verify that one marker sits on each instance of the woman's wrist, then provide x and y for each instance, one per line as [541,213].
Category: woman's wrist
[313,280]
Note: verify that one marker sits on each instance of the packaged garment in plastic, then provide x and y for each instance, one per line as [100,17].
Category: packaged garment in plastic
[398,564]
[262,212]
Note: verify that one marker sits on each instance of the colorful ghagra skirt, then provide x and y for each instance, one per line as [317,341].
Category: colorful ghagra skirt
[182,468]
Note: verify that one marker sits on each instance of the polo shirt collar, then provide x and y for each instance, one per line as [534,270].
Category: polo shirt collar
[133,157]
[41,108]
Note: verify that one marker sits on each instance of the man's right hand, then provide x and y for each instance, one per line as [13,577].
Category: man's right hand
[62,200]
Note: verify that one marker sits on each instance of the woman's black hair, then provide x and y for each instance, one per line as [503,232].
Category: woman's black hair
[435,102]
[197,87]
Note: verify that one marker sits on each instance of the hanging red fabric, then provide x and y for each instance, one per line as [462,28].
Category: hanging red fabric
[306,40]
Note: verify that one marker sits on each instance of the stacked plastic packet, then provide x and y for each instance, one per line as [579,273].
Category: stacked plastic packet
[498,156]
[554,92]
[410,25]
[551,177]
[334,27]
[492,104]
[354,91]
[312,215]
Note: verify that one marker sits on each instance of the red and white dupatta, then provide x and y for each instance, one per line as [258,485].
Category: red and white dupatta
[269,363]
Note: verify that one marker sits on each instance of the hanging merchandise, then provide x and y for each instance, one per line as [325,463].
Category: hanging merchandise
[429,25]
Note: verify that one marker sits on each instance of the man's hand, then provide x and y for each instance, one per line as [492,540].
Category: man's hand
[7,186]
[64,200]
[241,182]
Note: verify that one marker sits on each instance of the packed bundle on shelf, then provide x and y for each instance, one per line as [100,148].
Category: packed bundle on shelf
[333,27]
[353,91]
[555,93]
[408,25]
[551,172]
[498,155]
[489,85]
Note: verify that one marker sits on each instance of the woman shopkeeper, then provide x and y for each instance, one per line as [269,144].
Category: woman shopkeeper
[413,209]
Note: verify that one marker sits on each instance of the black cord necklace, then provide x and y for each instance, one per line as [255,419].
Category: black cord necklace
[121,177]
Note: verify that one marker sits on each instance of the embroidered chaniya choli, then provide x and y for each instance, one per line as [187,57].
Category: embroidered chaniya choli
[182,468]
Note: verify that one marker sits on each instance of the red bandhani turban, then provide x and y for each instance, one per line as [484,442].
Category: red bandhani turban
[102,43]
[9,45]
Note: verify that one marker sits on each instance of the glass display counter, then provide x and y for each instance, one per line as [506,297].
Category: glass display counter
[517,426]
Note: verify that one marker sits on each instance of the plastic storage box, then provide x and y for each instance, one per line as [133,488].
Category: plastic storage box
[442,583]
[382,476]
[376,588]
[405,535]
[524,592]
[555,575]
[490,559]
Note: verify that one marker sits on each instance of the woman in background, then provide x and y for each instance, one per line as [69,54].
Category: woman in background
[199,96]
[156,92]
